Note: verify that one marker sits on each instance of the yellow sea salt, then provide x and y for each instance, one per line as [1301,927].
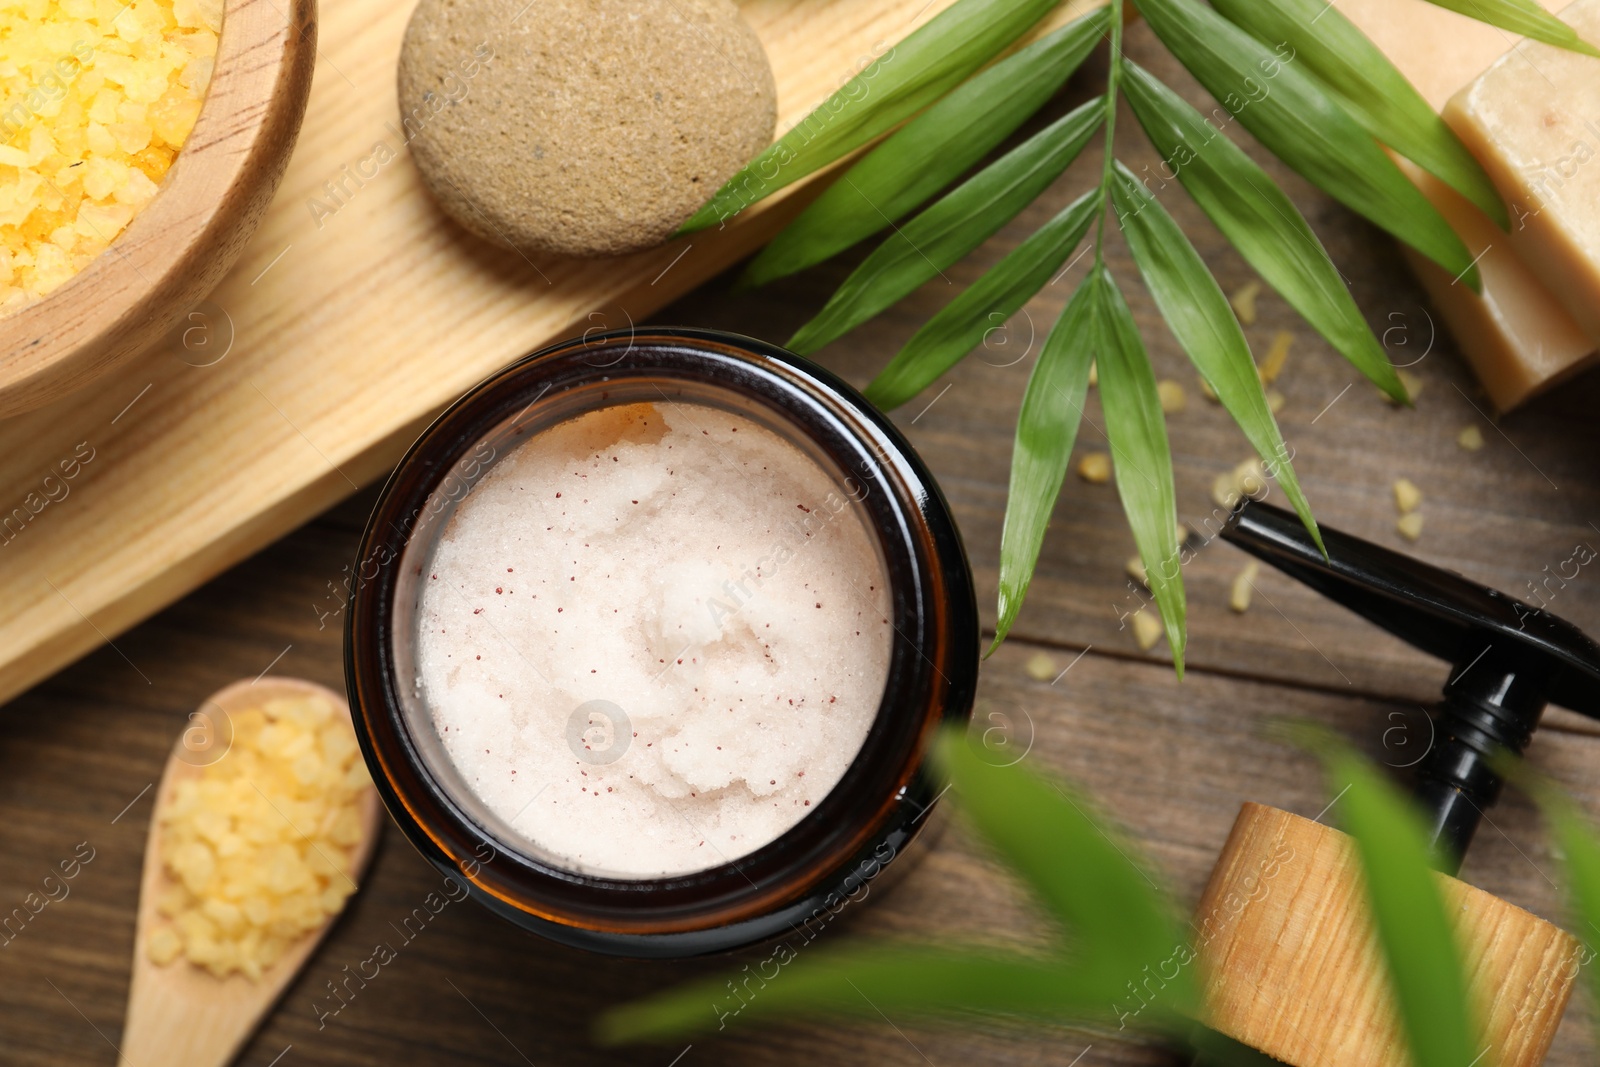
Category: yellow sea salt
[1244,584]
[260,846]
[1410,382]
[1276,357]
[1147,628]
[1041,667]
[1095,468]
[1173,398]
[1244,302]
[1407,497]
[95,101]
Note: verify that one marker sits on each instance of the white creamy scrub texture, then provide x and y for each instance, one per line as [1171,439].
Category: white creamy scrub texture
[670,582]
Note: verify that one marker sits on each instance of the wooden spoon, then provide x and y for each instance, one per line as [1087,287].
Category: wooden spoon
[181,1015]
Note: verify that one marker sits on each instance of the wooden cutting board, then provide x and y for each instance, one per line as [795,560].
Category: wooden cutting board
[357,312]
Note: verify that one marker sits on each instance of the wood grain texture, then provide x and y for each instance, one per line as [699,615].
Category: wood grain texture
[180,1015]
[1508,516]
[357,312]
[187,237]
[1171,761]
[1292,965]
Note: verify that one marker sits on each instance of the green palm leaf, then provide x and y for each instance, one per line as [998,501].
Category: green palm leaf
[898,980]
[1370,88]
[1290,113]
[1047,426]
[1523,17]
[919,70]
[1103,897]
[1579,848]
[1259,220]
[960,325]
[1115,920]
[1204,324]
[1408,912]
[1140,455]
[1580,854]
[953,226]
[929,152]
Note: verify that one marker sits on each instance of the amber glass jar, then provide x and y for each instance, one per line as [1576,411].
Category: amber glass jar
[843,842]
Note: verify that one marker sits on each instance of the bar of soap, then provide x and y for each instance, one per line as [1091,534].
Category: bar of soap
[1533,120]
[1517,336]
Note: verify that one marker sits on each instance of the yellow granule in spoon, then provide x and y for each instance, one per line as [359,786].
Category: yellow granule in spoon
[96,98]
[260,847]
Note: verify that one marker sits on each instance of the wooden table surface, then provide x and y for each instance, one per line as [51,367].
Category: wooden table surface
[1172,760]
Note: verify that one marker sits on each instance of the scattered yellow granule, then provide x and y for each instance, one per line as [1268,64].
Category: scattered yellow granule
[1470,438]
[1277,356]
[1244,302]
[96,98]
[1275,401]
[1094,373]
[1223,490]
[1412,384]
[1407,497]
[1173,398]
[1147,629]
[1208,392]
[260,846]
[1243,586]
[1041,667]
[1135,570]
[1248,479]
[1095,468]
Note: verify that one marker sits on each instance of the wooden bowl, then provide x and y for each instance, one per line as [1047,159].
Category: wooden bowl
[185,239]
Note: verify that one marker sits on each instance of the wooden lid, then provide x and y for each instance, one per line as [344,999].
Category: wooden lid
[1291,965]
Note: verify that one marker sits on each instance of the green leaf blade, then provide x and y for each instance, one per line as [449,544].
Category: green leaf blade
[1523,17]
[1116,921]
[1093,884]
[1290,113]
[929,152]
[1259,220]
[1370,88]
[1047,427]
[1580,851]
[920,69]
[950,228]
[960,325]
[897,980]
[1408,912]
[1579,847]
[1200,317]
[1141,458]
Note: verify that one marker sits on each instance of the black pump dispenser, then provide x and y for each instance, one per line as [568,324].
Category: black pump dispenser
[1508,659]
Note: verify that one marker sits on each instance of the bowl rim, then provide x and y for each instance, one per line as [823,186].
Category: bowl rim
[187,236]
[863,823]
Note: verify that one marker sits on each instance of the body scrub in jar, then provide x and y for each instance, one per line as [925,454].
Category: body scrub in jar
[650,638]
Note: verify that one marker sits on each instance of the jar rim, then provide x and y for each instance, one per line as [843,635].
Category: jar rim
[884,794]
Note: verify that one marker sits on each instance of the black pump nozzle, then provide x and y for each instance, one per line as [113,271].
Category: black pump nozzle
[1508,659]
